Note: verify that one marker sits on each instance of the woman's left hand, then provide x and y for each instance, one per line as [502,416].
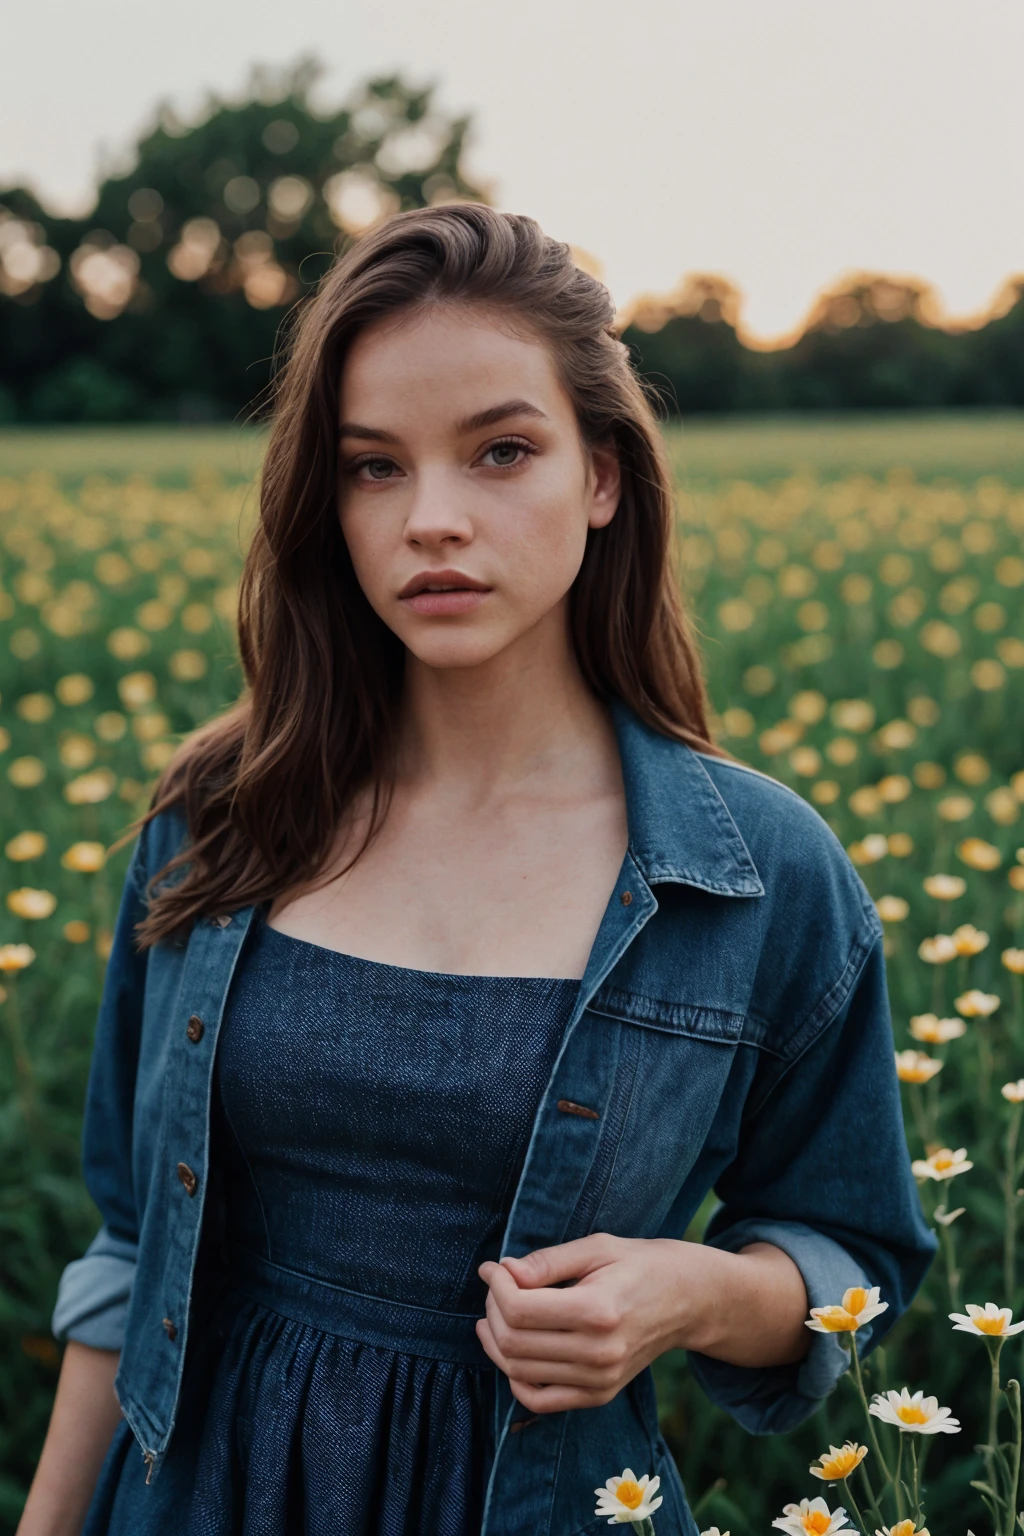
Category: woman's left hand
[577,1346]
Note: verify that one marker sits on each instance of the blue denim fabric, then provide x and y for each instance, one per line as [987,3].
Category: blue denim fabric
[731,1033]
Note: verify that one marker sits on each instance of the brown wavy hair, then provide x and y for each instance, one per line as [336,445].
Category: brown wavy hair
[264,786]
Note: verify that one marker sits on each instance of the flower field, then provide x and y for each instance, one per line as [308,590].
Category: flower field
[863,621]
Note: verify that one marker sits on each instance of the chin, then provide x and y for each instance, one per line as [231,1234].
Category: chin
[450,653]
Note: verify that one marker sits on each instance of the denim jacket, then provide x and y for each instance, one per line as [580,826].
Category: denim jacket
[732,1034]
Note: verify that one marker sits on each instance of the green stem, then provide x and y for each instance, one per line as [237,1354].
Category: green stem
[995,1349]
[952,1273]
[861,1523]
[1013,1398]
[918,1517]
[920,1114]
[1010,1201]
[875,1512]
[858,1378]
[898,1481]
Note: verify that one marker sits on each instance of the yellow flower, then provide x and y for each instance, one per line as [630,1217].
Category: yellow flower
[811,1517]
[931,1030]
[840,1462]
[937,951]
[27,845]
[627,1499]
[27,772]
[15,957]
[1013,959]
[975,1004]
[942,1164]
[27,902]
[977,854]
[87,858]
[1014,1091]
[858,1306]
[917,1415]
[968,939]
[945,887]
[955,807]
[75,688]
[75,931]
[989,1321]
[903,1528]
[900,844]
[916,1067]
[1016,877]
[90,788]
[892,909]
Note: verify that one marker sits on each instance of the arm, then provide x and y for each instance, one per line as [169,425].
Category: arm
[92,1298]
[85,1415]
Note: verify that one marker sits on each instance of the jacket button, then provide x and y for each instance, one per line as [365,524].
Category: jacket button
[221,921]
[170,1330]
[188,1178]
[194,1028]
[627,898]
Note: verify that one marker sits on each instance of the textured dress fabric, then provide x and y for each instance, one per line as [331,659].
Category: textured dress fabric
[372,1122]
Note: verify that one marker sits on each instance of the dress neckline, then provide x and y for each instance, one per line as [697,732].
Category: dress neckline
[408,970]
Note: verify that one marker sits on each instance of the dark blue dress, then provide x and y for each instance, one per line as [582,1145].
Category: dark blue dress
[372,1123]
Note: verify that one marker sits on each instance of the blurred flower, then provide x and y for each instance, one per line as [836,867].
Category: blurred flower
[944,887]
[972,768]
[853,714]
[900,844]
[1016,877]
[975,1004]
[74,688]
[840,1462]
[904,1528]
[27,772]
[27,845]
[76,932]
[627,1499]
[942,1164]
[989,1321]
[811,1517]
[30,903]
[955,807]
[917,1414]
[969,940]
[15,957]
[893,788]
[858,1306]
[931,1030]
[1013,959]
[937,951]
[1014,1091]
[892,909]
[977,854]
[86,858]
[915,1067]
[91,788]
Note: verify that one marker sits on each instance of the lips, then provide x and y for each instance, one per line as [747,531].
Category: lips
[442,594]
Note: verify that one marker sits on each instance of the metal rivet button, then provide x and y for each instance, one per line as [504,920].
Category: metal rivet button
[170,1330]
[188,1178]
[194,1028]
[221,921]
[627,898]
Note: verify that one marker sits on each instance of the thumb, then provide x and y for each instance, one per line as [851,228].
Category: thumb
[563,1261]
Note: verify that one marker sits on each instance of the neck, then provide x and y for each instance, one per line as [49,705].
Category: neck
[526,714]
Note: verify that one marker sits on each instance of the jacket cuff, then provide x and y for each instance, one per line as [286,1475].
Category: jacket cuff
[770,1400]
[93,1294]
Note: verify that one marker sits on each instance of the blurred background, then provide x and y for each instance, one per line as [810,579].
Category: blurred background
[810,221]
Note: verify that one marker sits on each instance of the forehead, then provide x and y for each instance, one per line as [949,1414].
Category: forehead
[446,359]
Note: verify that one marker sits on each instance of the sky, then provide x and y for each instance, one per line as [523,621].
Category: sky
[782,143]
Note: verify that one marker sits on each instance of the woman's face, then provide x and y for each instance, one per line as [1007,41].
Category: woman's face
[464,489]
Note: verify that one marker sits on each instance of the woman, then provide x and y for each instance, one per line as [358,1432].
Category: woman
[506,965]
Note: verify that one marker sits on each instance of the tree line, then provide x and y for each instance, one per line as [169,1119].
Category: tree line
[170,300]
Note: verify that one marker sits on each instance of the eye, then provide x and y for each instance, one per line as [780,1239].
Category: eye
[507,452]
[379,469]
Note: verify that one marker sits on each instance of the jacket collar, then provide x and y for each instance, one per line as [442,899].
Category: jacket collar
[680,828]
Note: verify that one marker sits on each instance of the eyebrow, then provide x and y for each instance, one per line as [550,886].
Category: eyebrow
[486,418]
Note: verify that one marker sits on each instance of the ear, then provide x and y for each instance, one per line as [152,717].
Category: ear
[606,486]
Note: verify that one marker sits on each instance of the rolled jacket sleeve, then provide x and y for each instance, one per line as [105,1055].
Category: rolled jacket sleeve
[93,1292]
[823,1172]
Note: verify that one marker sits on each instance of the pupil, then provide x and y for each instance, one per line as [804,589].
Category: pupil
[378,464]
[506,448]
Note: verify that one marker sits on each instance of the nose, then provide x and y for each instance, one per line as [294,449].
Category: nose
[439,515]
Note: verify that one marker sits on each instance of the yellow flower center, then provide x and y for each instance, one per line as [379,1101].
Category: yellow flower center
[940,1163]
[841,1465]
[630,1494]
[911,1413]
[815,1523]
[993,1325]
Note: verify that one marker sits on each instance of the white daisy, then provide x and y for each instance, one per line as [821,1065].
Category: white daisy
[627,1498]
[811,1517]
[858,1307]
[989,1321]
[919,1414]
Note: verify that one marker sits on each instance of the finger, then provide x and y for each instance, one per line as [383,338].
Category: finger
[564,1261]
[592,1350]
[546,1308]
[556,1399]
[547,1372]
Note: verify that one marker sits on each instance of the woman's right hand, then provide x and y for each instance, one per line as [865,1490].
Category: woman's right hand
[85,1414]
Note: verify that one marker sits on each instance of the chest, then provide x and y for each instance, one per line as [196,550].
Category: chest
[516,889]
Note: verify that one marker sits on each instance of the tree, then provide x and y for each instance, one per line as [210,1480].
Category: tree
[166,301]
